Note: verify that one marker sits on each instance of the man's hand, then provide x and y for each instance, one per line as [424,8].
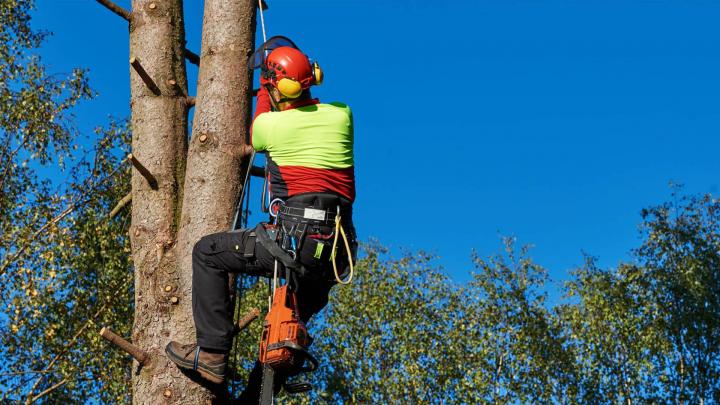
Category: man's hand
[246,150]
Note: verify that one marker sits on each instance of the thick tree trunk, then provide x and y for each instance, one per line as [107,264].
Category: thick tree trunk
[222,115]
[159,122]
[162,232]
[221,121]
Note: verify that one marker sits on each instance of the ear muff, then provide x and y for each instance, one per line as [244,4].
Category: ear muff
[317,73]
[289,88]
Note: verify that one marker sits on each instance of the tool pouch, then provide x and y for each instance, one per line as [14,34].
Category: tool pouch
[315,253]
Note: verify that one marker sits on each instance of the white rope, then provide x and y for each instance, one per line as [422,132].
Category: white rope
[262,21]
[275,277]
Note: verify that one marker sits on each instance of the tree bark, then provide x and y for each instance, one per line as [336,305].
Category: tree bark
[159,143]
[222,116]
[205,178]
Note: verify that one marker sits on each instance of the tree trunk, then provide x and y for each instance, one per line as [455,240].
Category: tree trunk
[164,231]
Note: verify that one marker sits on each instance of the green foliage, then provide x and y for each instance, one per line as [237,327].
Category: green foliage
[680,259]
[517,351]
[64,265]
[402,332]
[612,335]
[72,277]
[382,338]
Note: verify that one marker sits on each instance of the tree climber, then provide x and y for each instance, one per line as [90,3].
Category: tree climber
[309,149]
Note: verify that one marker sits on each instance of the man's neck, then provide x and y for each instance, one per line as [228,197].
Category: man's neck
[289,105]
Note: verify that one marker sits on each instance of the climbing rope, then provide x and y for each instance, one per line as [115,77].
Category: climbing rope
[262,21]
[339,230]
[240,288]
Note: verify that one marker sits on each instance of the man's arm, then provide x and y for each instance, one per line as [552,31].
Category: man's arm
[262,105]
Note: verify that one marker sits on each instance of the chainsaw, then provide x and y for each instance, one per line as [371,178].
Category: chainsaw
[284,345]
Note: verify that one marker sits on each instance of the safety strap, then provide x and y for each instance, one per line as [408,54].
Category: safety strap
[282,256]
[197,357]
[250,245]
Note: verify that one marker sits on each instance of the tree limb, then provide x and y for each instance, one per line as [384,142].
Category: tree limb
[116,9]
[129,348]
[192,57]
[120,205]
[72,207]
[37,233]
[247,319]
[47,391]
[152,181]
[64,350]
[26,372]
[149,82]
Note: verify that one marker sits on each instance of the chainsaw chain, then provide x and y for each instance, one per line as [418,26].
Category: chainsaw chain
[267,385]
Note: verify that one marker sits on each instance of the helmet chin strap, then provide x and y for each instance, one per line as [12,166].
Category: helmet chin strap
[276,103]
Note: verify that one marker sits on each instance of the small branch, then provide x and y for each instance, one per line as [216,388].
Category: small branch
[67,211]
[137,353]
[26,372]
[143,171]
[47,391]
[192,57]
[37,233]
[245,321]
[149,82]
[64,350]
[120,205]
[116,9]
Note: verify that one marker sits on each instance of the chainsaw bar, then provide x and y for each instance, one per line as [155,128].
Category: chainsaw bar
[266,388]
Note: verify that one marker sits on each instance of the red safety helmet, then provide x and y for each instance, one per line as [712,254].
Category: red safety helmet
[286,68]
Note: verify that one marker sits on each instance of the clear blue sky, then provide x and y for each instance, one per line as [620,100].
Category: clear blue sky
[552,121]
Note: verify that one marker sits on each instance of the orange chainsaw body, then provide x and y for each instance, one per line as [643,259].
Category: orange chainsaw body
[282,330]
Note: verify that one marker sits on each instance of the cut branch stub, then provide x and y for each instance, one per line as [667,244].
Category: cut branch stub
[257,171]
[143,171]
[137,353]
[192,57]
[245,321]
[149,82]
[115,9]
[190,101]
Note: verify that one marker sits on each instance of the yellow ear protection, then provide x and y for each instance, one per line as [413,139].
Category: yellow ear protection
[291,88]
[317,73]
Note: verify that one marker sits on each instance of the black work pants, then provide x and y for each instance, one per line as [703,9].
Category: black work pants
[214,257]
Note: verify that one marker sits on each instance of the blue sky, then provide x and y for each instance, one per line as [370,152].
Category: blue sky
[552,121]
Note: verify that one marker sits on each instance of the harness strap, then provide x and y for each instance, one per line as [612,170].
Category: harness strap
[305,215]
[276,251]
[250,245]
[197,358]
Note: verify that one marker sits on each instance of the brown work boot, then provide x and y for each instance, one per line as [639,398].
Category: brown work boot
[211,366]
